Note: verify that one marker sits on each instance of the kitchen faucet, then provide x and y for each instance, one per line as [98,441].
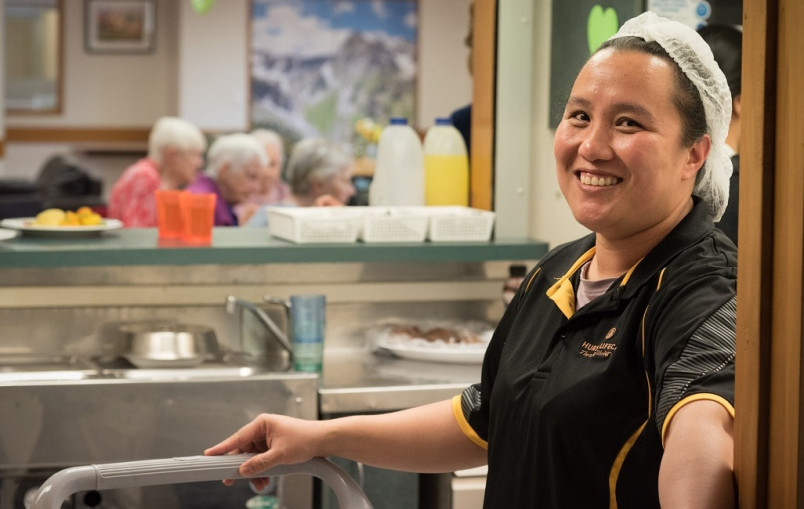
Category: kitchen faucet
[232,303]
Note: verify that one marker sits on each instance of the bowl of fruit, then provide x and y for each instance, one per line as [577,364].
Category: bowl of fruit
[57,222]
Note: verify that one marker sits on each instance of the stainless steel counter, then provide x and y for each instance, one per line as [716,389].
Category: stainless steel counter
[358,380]
[131,415]
[71,298]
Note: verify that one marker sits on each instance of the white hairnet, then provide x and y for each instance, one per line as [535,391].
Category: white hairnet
[695,59]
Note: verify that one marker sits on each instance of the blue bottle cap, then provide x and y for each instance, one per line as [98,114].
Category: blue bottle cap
[399,121]
[443,121]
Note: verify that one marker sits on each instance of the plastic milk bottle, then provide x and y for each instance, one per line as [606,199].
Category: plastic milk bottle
[399,171]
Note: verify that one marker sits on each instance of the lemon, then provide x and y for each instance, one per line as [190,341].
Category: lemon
[91,219]
[70,219]
[49,217]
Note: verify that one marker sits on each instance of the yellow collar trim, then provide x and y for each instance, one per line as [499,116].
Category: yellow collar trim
[630,271]
[562,292]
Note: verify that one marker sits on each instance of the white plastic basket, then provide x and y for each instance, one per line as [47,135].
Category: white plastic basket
[393,224]
[380,224]
[459,224]
[307,225]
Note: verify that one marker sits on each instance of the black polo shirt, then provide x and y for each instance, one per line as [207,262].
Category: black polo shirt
[573,405]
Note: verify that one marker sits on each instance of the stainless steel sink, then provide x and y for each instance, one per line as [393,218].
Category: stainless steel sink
[70,410]
[44,367]
[16,368]
[18,362]
[201,373]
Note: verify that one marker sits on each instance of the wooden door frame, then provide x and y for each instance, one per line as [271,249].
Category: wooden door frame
[770,287]
[770,283]
[484,57]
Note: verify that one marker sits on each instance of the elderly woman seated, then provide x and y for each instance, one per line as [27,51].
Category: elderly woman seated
[273,190]
[320,174]
[175,151]
[234,164]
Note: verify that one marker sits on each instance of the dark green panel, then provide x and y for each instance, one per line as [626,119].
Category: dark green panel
[571,35]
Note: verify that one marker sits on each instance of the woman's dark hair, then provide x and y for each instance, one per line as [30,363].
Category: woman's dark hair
[685,96]
[727,47]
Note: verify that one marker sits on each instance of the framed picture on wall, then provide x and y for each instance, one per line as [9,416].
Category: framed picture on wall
[318,68]
[119,26]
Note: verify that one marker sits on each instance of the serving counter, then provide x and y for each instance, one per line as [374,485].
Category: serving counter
[68,297]
[65,294]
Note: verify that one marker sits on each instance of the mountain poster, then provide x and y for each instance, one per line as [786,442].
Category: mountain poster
[319,66]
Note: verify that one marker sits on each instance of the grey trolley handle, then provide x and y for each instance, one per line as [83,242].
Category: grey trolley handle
[185,469]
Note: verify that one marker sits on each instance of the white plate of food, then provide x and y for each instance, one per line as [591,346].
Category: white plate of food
[28,226]
[462,343]
[7,234]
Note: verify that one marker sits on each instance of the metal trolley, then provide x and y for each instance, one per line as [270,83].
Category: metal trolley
[187,469]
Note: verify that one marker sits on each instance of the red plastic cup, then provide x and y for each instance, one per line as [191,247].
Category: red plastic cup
[198,211]
[169,214]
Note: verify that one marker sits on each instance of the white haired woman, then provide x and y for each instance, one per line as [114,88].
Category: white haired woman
[609,381]
[320,175]
[175,151]
[319,168]
[273,190]
[234,164]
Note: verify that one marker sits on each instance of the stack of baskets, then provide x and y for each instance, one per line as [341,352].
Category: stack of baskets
[380,224]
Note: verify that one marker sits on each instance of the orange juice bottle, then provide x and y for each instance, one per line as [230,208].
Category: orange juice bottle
[446,166]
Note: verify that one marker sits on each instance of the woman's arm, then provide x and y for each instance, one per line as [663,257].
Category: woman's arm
[422,439]
[697,468]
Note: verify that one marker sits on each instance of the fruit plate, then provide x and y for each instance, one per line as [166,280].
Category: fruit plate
[27,227]
[8,234]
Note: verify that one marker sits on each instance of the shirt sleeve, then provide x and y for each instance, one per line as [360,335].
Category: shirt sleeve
[466,407]
[705,368]
[694,348]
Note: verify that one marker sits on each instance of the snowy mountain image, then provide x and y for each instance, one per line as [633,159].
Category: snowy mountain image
[317,66]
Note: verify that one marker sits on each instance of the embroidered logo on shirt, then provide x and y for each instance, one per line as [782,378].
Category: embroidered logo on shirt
[603,350]
[611,332]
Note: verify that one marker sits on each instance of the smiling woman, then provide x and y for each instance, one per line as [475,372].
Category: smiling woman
[630,328]
[612,156]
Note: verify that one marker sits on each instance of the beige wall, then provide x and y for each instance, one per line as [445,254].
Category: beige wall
[444,80]
[528,200]
[550,215]
[199,69]
[215,98]
[213,70]
[110,90]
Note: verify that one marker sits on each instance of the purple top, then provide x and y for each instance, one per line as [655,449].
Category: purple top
[224,214]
